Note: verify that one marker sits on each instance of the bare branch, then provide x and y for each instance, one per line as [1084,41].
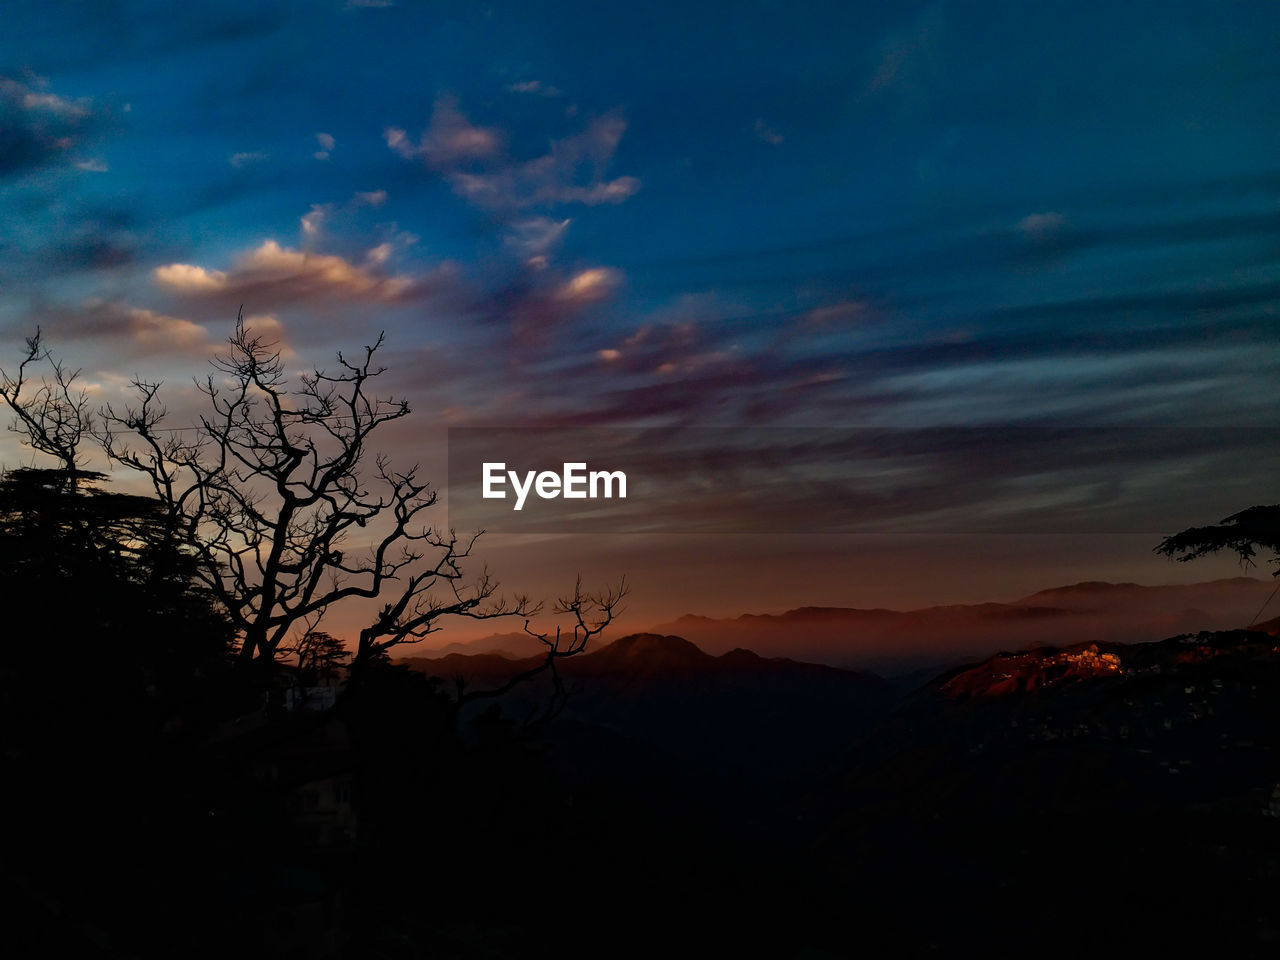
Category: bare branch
[592,614]
[52,414]
[276,493]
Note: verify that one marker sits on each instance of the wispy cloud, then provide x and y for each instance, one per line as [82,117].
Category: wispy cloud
[767,133]
[535,87]
[475,162]
[141,331]
[274,275]
[246,158]
[326,143]
[449,141]
[40,127]
[313,221]
[535,238]
[1041,226]
[907,56]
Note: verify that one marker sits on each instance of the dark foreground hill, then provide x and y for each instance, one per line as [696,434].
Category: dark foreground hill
[1100,798]
[1097,797]
[735,714]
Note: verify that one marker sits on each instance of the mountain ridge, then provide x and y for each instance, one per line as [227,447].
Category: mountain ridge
[888,641]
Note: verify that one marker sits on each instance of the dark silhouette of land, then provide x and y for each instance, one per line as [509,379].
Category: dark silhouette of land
[730,802]
[1131,789]
[193,768]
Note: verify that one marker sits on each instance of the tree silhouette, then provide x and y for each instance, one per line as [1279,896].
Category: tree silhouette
[97,576]
[52,414]
[592,614]
[321,656]
[1242,533]
[98,581]
[276,480]
[131,614]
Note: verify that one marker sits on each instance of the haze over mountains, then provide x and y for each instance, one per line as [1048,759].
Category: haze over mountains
[893,641]
[897,641]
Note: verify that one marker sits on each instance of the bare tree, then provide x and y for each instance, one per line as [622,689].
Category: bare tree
[274,484]
[592,613]
[52,413]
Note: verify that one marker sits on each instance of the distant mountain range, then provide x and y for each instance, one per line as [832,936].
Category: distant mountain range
[896,642]
[648,708]
[892,641]
[664,697]
[745,694]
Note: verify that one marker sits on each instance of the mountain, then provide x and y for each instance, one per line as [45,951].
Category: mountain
[513,646]
[733,714]
[1269,626]
[1060,799]
[897,642]
[1096,595]
[1126,783]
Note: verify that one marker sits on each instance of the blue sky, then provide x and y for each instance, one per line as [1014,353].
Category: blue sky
[755,213]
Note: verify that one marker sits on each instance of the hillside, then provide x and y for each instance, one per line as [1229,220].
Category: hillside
[1143,773]
[901,641]
[728,714]
[1139,781]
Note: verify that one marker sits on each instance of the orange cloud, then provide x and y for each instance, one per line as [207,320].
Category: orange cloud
[271,273]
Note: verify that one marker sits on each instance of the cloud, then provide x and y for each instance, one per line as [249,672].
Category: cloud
[245,159]
[908,58]
[666,348]
[534,239]
[839,313]
[39,127]
[1041,227]
[84,236]
[536,87]
[327,143]
[767,133]
[475,163]
[542,302]
[450,139]
[190,279]
[313,220]
[590,285]
[270,329]
[272,274]
[59,106]
[160,331]
[142,331]
[94,165]
[697,368]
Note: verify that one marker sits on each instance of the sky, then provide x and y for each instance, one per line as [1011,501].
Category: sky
[901,217]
